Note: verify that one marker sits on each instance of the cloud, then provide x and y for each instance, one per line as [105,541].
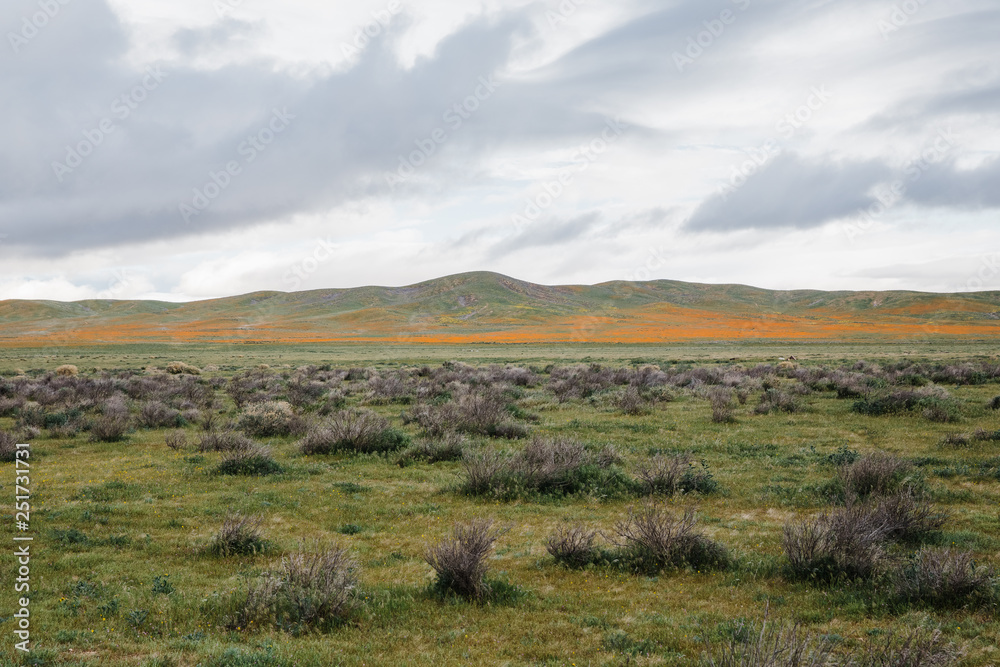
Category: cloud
[791,191]
[945,185]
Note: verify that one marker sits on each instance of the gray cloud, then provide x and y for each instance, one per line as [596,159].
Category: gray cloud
[791,191]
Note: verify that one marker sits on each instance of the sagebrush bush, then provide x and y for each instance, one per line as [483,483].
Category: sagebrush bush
[662,474]
[67,370]
[944,578]
[631,402]
[359,431]
[451,447]
[485,412]
[919,648]
[876,473]
[181,368]
[309,590]
[224,441]
[547,467]
[154,414]
[240,535]
[110,428]
[770,645]
[849,542]
[462,560]
[652,538]
[177,441]
[572,546]
[252,461]
[8,447]
[267,419]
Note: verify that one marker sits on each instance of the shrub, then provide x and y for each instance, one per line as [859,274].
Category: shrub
[315,588]
[944,578]
[8,447]
[651,538]
[224,441]
[240,535]
[461,560]
[360,431]
[632,403]
[849,543]
[994,403]
[450,448]
[308,590]
[154,414]
[907,517]
[722,406]
[774,400]
[109,428]
[476,413]
[770,646]
[267,419]
[180,368]
[67,370]
[573,546]
[663,474]
[550,467]
[177,441]
[874,474]
[918,649]
[253,461]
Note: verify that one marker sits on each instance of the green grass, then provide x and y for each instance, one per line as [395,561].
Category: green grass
[102,509]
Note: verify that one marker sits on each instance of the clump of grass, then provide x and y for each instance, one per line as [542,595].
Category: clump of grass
[651,538]
[267,419]
[177,441]
[451,447]
[770,646]
[546,467]
[920,648]
[252,461]
[877,473]
[67,370]
[944,578]
[309,590]
[775,400]
[181,368]
[8,447]
[109,428]
[994,403]
[359,431]
[573,546]
[224,441]
[461,561]
[240,535]
[849,543]
[631,402]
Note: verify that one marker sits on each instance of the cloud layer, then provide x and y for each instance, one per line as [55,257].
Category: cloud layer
[201,154]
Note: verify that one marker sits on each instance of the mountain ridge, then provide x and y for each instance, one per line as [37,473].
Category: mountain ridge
[491,307]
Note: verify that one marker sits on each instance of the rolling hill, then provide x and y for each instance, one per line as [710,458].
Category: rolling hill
[491,308]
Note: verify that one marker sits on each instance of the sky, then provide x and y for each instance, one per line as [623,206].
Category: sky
[205,148]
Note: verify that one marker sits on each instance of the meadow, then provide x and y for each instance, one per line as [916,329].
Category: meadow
[510,505]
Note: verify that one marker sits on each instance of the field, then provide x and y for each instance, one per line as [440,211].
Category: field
[130,490]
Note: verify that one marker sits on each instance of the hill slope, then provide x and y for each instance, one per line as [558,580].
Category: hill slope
[488,307]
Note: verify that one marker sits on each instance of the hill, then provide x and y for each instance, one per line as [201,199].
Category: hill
[487,307]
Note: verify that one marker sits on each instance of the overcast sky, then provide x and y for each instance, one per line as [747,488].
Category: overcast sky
[203,148]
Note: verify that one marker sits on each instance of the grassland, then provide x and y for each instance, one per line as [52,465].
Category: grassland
[125,575]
